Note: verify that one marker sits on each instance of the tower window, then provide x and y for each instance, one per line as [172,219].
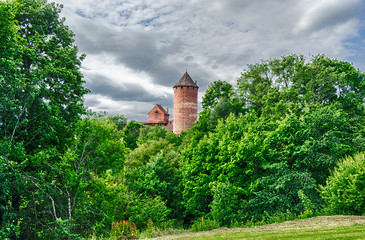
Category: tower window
[156,116]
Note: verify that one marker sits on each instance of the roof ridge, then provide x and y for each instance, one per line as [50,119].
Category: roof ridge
[162,109]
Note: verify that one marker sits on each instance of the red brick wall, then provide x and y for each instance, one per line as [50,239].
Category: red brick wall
[161,117]
[185,107]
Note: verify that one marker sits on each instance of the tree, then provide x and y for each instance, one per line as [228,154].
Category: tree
[160,177]
[73,190]
[219,101]
[282,85]
[45,90]
[131,131]
[41,100]
[344,192]
[269,164]
[10,181]
[157,133]
[216,91]
[233,153]
[119,120]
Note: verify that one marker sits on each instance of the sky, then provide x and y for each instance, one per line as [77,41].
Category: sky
[137,50]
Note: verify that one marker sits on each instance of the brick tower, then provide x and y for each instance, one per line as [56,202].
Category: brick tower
[185,103]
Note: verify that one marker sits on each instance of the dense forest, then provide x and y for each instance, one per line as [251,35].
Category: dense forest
[285,141]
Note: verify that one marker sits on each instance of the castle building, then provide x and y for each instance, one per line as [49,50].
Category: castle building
[158,115]
[185,107]
[185,103]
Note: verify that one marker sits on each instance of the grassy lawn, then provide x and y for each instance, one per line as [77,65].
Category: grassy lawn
[347,232]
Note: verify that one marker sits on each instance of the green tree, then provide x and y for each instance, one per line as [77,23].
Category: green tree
[158,133]
[227,204]
[234,152]
[144,210]
[46,98]
[280,85]
[41,100]
[131,131]
[216,91]
[344,192]
[219,100]
[77,180]
[151,141]
[160,177]
[10,152]
[119,120]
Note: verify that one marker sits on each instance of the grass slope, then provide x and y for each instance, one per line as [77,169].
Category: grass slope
[324,227]
[347,232]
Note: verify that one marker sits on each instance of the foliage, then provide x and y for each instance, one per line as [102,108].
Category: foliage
[272,165]
[10,182]
[119,120]
[99,141]
[81,186]
[278,86]
[44,91]
[233,153]
[157,133]
[219,101]
[144,152]
[280,192]
[226,206]
[160,177]
[143,209]
[12,153]
[344,192]
[90,170]
[132,131]
[41,100]
[204,224]
[216,91]
[151,141]
[102,202]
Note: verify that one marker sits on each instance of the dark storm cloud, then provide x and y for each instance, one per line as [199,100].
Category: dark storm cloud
[99,84]
[134,44]
[141,51]
[329,14]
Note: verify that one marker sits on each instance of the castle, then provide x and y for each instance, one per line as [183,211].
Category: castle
[185,107]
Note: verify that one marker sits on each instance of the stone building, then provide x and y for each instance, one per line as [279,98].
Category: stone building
[185,107]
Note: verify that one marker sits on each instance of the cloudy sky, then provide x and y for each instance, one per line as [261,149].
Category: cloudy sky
[137,50]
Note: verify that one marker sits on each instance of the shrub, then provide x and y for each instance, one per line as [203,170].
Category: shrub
[144,209]
[226,204]
[344,192]
[204,224]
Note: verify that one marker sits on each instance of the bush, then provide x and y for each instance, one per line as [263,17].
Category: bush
[344,192]
[144,209]
[226,204]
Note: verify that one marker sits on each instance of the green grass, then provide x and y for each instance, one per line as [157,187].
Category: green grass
[348,232]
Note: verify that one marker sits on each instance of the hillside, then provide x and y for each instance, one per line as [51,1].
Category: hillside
[311,223]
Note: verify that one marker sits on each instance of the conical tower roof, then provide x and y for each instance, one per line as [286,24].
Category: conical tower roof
[186,81]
